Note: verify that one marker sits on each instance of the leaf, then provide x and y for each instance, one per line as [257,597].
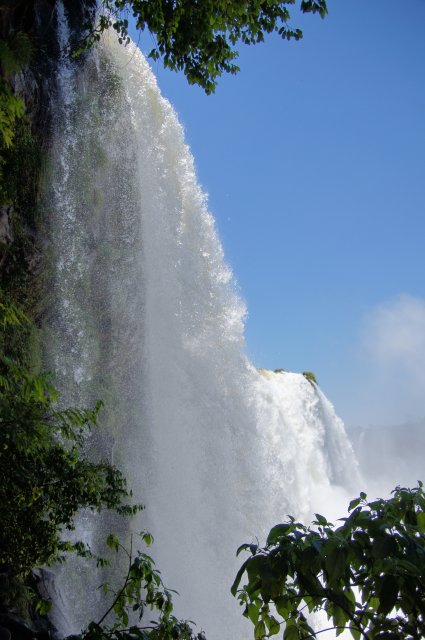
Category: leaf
[321,520]
[278,531]
[235,585]
[274,626]
[260,630]
[282,606]
[336,564]
[113,542]
[243,547]
[252,613]
[291,631]
[384,546]
[421,521]
[354,503]
[409,567]
[256,566]
[43,607]
[339,619]
[388,594]
[147,538]
[355,632]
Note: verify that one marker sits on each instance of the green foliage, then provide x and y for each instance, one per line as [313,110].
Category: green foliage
[15,53]
[20,171]
[279,371]
[15,330]
[367,575]
[44,477]
[142,592]
[200,38]
[310,376]
[20,166]
[11,108]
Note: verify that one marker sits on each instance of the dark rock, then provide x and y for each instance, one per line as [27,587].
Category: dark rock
[6,235]
[12,628]
[5,634]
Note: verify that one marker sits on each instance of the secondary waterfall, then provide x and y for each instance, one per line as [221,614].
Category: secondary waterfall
[146,316]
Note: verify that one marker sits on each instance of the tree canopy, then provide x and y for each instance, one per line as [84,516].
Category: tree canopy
[200,37]
[367,575]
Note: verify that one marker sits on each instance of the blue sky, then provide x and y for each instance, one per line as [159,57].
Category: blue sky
[313,157]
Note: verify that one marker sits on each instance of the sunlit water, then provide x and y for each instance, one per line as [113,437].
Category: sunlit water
[145,315]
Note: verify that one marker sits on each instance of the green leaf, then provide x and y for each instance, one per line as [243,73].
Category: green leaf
[243,547]
[336,564]
[354,503]
[279,531]
[252,613]
[283,606]
[421,521]
[43,607]
[384,546]
[321,520]
[291,631]
[340,619]
[113,542]
[260,630]
[274,626]
[235,585]
[388,594]
[355,632]
[147,538]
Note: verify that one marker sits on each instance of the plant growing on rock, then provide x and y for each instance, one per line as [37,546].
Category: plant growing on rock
[310,376]
[15,53]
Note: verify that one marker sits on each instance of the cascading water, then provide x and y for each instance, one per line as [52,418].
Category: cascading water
[145,316]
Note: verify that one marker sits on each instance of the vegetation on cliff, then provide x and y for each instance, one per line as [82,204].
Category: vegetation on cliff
[15,53]
[45,476]
[366,575]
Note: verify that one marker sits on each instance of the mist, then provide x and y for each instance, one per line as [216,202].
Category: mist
[385,417]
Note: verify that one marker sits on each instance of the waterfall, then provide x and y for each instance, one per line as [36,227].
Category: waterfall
[145,315]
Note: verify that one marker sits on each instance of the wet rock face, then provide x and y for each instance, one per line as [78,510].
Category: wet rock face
[35,16]
[5,634]
[12,628]
[36,85]
[23,15]
[6,235]
[37,19]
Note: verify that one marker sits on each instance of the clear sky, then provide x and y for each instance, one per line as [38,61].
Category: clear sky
[313,157]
